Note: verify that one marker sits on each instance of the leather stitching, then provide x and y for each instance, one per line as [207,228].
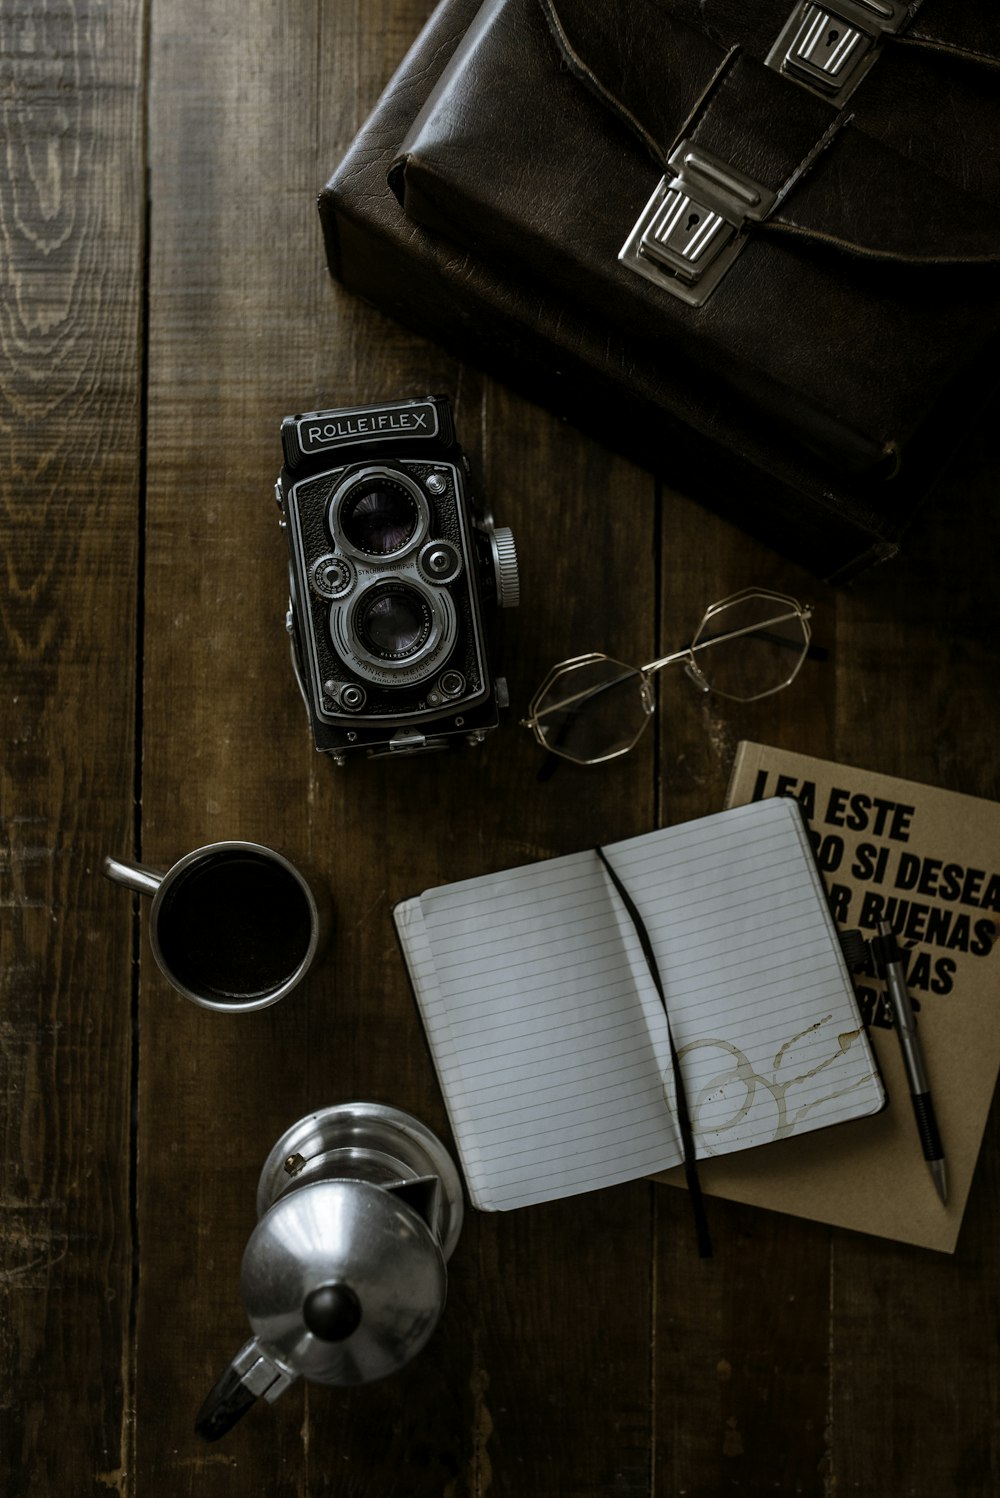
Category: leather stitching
[586,74]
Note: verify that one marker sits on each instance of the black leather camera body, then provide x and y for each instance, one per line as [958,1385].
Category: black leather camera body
[394,577]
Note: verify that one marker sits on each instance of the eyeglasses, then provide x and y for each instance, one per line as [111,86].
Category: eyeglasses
[594,708]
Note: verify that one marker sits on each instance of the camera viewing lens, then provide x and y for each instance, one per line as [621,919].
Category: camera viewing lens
[380,517]
[394,622]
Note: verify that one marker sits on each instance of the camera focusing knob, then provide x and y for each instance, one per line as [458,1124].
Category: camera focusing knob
[505,567]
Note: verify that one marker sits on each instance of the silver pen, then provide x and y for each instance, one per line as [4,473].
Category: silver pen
[913,1061]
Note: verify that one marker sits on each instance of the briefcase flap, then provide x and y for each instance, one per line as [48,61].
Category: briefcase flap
[858,287]
[923,77]
[956,30]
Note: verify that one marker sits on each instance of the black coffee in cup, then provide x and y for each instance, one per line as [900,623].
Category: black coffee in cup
[234,926]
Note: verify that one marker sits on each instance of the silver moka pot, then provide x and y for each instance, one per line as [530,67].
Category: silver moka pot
[343,1278]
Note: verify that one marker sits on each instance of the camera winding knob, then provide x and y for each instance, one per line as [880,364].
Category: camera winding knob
[505,567]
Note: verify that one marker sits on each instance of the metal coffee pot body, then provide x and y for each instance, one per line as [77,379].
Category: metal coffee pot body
[344,1277]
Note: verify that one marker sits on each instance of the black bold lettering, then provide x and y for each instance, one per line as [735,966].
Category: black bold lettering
[944,975]
[866,860]
[830,853]
[961,934]
[835,807]
[872,906]
[919,972]
[839,899]
[986,933]
[916,921]
[991,894]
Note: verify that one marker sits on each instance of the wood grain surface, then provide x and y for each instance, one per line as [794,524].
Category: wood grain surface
[165,302]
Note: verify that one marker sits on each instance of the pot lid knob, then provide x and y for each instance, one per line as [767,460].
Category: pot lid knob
[332,1312]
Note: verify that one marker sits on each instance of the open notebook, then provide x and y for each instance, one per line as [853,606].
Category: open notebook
[550,1040]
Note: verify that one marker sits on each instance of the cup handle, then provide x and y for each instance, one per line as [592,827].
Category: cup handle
[135,875]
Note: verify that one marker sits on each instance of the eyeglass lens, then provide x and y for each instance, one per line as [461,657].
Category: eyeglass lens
[756,645]
[593,710]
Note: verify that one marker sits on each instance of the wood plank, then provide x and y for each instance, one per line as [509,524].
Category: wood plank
[914,1368]
[71,241]
[242,328]
[741,1375]
[562,1329]
[244,325]
[891,1404]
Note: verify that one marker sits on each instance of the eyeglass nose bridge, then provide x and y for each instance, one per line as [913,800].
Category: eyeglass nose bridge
[688,663]
[694,673]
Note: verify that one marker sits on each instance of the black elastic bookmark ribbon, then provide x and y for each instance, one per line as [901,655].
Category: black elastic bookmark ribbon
[683,1116]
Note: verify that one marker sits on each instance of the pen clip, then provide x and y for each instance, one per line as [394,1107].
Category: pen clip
[855,948]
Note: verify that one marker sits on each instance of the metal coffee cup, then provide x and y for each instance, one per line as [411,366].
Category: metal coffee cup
[233,925]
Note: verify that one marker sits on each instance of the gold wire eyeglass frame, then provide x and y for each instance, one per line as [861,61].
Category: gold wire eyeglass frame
[785,610]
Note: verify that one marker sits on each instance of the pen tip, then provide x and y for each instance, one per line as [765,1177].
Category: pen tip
[940,1179]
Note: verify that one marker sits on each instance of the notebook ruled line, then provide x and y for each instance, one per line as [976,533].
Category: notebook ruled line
[550,1041]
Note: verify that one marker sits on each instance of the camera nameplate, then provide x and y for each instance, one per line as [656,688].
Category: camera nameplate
[319,432]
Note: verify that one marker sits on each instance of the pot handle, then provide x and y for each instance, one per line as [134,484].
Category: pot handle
[228,1402]
[251,1373]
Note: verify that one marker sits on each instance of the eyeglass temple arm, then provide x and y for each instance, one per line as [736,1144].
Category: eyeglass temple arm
[758,631]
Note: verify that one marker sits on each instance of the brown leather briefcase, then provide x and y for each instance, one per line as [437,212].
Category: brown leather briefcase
[736,274]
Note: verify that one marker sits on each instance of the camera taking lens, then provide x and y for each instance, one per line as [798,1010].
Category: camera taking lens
[394,580]
[394,621]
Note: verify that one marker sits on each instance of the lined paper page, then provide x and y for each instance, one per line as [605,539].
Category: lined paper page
[549,1038]
[535,1003]
[761,1004]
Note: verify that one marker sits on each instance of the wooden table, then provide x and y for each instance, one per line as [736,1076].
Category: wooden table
[165,303]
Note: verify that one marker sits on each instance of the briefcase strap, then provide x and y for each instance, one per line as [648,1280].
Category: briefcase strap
[747,139]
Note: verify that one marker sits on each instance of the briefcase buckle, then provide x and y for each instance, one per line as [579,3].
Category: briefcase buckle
[694,225]
[829,48]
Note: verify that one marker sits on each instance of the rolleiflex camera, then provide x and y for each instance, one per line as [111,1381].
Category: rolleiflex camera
[393,578]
